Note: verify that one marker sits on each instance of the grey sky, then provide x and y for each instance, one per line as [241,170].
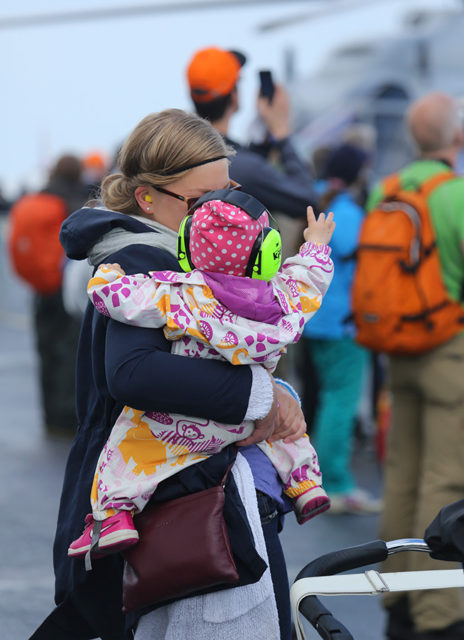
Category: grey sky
[83,86]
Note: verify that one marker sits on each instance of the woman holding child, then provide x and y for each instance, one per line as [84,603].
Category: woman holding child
[168,161]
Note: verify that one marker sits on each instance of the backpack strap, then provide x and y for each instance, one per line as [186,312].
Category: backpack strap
[435,181]
[427,187]
[391,185]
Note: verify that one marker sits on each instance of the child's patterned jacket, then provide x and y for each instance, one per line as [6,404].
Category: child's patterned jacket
[203,314]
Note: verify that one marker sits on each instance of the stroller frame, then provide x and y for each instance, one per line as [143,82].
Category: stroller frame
[318,577]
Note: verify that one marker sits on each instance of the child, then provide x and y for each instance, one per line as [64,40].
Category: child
[213,312]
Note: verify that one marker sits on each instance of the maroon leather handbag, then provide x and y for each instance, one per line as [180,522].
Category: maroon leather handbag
[184,547]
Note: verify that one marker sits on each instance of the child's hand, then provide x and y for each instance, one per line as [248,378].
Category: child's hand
[107,266]
[319,230]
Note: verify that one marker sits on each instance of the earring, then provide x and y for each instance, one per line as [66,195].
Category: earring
[147,208]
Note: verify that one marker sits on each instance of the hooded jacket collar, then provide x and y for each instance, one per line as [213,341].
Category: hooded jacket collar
[96,233]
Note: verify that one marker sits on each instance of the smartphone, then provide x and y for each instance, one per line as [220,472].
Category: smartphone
[266,85]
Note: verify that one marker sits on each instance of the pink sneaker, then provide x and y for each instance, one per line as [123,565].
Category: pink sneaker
[117,533]
[311,503]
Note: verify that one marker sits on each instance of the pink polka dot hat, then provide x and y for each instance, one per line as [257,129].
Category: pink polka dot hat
[222,236]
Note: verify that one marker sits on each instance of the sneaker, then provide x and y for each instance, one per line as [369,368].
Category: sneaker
[117,534]
[356,502]
[311,503]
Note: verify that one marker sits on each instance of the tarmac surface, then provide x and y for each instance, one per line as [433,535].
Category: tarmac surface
[31,471]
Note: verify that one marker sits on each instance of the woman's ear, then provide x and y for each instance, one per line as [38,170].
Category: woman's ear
[143,197]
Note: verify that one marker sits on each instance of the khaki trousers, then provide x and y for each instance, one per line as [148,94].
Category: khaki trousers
[424,468]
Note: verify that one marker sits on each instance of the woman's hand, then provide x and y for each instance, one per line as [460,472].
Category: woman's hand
[285,420]
[291,421]
[265,427]
[319,230]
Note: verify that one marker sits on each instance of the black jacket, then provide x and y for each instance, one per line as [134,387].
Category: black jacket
[118,365]
[286,189]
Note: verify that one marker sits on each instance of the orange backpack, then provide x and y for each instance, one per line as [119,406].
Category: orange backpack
[33,243]
[400,303]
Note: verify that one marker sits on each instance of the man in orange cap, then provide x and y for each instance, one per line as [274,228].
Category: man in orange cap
[213,76]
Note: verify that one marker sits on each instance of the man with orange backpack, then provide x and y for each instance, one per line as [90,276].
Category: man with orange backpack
[407,301]
[38,258]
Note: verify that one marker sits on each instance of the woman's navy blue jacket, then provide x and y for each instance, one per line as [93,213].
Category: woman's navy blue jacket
[124,365]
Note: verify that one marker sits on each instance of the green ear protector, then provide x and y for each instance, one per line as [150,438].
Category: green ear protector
[265,257]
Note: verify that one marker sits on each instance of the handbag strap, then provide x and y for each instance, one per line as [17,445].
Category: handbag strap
[223,481]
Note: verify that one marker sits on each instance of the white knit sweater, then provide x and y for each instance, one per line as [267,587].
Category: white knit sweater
[240,612]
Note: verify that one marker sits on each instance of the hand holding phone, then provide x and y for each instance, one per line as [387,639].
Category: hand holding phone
[267,88]
[273,107]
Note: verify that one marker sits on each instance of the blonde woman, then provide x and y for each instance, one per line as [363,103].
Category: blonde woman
[179,157]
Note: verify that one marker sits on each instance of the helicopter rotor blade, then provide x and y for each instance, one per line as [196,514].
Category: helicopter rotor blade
[128,10]
[336,7]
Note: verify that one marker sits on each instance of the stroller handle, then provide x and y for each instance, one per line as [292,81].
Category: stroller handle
[344,560]
[407,544]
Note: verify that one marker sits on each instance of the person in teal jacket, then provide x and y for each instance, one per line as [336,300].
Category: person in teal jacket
[339,361]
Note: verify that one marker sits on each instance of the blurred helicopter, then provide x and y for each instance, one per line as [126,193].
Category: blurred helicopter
[371,83]
[364,84]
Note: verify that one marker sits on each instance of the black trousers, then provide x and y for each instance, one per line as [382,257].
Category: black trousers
[65,623]
[56,338]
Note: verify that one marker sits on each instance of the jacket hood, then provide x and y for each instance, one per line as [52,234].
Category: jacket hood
[86,227]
